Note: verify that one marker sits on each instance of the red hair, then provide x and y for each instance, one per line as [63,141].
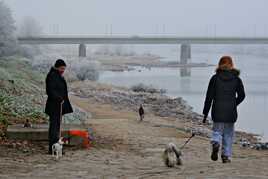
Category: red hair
[225,63]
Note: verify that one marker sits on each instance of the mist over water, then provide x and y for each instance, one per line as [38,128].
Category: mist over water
[252,112]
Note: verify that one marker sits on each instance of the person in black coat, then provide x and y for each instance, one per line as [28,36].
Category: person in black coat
[225,92]
[58,102]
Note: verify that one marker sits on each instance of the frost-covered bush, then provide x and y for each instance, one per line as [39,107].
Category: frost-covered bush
[86,70]
[43,63]
[147,89]
[77,68]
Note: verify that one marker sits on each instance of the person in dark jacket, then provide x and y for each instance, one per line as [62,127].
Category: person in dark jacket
[58,102]
[141,113]
[225,92]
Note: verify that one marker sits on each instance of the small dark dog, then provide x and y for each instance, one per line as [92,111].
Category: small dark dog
[141,112]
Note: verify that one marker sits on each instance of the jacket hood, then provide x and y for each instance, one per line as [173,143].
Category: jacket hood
[227,74]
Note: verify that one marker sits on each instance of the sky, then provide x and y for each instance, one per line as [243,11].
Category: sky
[140,17]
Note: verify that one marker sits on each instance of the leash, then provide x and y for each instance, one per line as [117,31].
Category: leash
[60,117]
[193,134]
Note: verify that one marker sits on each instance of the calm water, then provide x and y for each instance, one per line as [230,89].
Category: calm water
[252,113]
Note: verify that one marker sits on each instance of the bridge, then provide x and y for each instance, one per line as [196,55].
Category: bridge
[166,39]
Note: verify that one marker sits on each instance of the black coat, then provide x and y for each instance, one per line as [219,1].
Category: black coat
[56,89]
[225,92]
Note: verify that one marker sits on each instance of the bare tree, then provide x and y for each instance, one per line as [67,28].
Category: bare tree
[29,27]
[7,31]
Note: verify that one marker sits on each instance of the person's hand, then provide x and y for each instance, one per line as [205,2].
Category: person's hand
[204,119]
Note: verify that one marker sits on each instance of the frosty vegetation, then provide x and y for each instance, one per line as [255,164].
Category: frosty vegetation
[77,68]
[85,69]
[22,94]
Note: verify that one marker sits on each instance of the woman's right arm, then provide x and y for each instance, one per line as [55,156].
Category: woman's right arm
[209,96]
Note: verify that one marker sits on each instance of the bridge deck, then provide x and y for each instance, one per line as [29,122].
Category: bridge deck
[140,40]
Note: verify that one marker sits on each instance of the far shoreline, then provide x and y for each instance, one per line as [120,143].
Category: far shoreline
[128,63]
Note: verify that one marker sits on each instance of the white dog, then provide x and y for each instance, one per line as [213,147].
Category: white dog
[57,149]
[172,155]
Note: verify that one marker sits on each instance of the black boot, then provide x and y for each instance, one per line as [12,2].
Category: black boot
[225,159]
[215,151]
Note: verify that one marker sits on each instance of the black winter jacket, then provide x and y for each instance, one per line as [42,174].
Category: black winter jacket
[225,92]
[56,89]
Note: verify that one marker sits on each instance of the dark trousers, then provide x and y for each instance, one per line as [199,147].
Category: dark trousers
[54,130]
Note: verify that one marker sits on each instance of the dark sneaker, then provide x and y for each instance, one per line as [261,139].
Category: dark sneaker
[215,151]
[225,159]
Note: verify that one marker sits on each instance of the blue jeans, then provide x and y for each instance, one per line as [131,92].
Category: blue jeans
[223,134]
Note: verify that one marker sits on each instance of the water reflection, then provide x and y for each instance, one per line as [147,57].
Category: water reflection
[185,72]
[185,85]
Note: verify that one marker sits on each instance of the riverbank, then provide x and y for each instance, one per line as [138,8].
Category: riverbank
[124,147]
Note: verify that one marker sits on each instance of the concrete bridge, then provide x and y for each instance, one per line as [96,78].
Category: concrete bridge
[185,42]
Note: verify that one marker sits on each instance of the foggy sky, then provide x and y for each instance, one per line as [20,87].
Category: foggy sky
[181,17]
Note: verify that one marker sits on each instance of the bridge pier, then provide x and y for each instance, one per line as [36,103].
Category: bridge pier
[82,50]
[185,53]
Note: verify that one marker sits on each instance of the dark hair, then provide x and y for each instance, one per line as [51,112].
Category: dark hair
[59,63]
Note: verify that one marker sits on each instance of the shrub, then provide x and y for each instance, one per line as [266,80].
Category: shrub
[78,68]
[85,69]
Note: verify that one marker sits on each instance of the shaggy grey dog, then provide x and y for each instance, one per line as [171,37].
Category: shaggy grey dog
[172,156]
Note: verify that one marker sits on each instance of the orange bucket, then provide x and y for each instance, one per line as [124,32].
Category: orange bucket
[83,134]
